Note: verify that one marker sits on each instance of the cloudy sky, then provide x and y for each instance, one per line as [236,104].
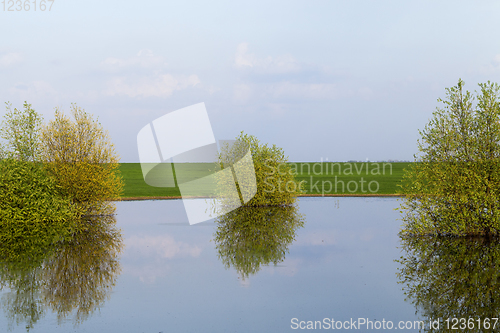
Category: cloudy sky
[337,80]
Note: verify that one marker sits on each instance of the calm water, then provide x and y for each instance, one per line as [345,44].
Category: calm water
[172,277]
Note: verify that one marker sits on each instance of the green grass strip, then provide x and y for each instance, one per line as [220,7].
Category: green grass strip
[318,178]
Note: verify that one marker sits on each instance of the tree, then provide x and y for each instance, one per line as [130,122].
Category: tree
[452,277]
[81,273]
[276,184]
[71,277]
[33,213]
[454,186]
[21,131]
[251,237]
[80,156]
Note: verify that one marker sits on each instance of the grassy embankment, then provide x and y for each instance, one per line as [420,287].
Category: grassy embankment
[327,178]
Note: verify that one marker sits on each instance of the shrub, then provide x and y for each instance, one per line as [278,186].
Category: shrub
[80,156]
[251,237]
[451,277]
[75,276]
[276,184]
[33,213]
[87,266]
[454,187]
[21,131]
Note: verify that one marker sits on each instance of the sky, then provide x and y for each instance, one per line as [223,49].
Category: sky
[324,80]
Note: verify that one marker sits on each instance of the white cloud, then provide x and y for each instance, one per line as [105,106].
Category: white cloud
[144,75]
[147,256]
[159,85]
[272,65]
[10,59]
[496,60]
[161,246]
[492,67]
[242,92]
[279,78]
[147,273]
[242,58]
[144,59]
[34,90]
[244,282]
[366,93]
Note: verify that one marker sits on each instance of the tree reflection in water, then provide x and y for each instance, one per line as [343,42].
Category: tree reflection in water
[250,237]
[75,275]
[452,277]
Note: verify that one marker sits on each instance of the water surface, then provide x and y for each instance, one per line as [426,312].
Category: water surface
[173,277]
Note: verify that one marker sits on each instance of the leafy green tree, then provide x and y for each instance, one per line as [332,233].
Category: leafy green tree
[452,277]
[80,274]
[22,303]
[251,237]
[454,186]
[71,277]
[30,206]
[21,131]
[276,184]
[79,154]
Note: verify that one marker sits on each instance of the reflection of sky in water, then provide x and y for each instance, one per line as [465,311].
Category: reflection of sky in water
[341,266]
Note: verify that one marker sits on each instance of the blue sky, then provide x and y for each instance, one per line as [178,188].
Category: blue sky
[337,80]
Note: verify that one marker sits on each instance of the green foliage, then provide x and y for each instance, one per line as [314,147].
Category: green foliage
[454,187]
[33,213]
[21,131]
[48,256]
[251,237]
[74,276]
[80,156]
[452,277]
[22,304]
[276,184]
[82,271]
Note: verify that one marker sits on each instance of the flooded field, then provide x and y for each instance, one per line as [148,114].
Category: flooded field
[243,273]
